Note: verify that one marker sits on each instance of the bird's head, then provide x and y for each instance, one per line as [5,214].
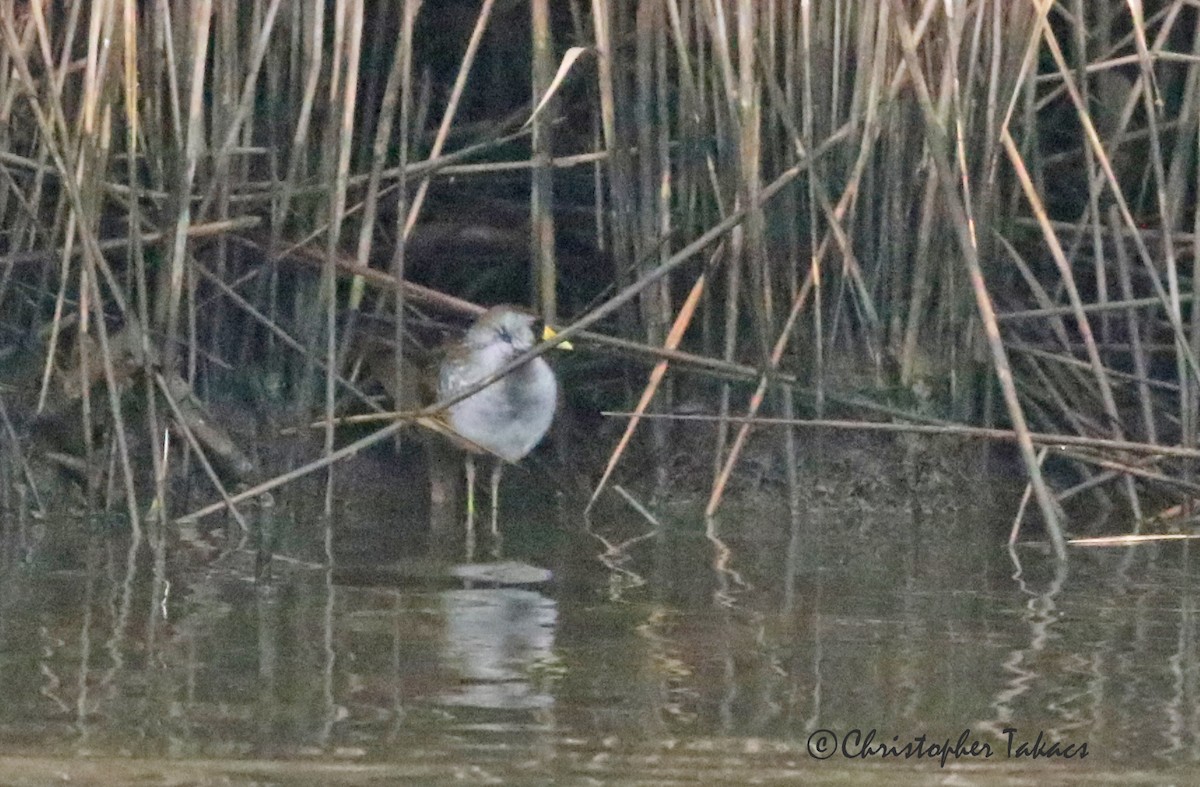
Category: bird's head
[508,325]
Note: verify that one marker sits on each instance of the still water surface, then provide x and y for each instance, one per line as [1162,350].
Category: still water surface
[738,654]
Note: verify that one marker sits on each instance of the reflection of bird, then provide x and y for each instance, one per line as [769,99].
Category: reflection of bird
[495,640]
[509,417]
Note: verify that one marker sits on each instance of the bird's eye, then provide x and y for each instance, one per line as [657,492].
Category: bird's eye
[504,335]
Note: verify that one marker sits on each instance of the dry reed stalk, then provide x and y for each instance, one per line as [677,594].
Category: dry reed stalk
[1135,338]
[1064,268]
[170,290]
[341,138]
[198,449]
[961,221]
[674,337]
[544,271]
[398,260]
[1186,163]
[1170,303]
[646,236]
[1048,439]
[756,400]
[1115,374]
[440,300]
[460,81]
[10,434]
[136,253]
[1128,304]
[278,331]
[621,227]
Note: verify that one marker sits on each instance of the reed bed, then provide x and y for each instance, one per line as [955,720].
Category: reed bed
[968,213]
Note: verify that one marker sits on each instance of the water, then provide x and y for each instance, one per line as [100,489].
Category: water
[663,656]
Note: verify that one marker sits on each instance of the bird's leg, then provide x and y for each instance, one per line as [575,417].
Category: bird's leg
[470,466]
[496,473]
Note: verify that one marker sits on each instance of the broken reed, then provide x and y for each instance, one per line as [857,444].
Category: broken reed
[885,181]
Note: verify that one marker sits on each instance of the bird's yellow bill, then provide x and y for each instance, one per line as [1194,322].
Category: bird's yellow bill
[549,333]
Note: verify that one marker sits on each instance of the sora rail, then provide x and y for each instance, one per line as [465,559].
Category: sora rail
[509,417]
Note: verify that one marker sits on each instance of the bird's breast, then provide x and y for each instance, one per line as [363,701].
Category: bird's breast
[509,417]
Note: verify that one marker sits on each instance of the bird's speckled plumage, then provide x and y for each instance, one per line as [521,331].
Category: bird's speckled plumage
[511,416]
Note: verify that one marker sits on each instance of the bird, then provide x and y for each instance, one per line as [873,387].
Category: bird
[508,418]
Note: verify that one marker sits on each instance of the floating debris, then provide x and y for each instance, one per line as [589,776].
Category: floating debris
[508,572]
